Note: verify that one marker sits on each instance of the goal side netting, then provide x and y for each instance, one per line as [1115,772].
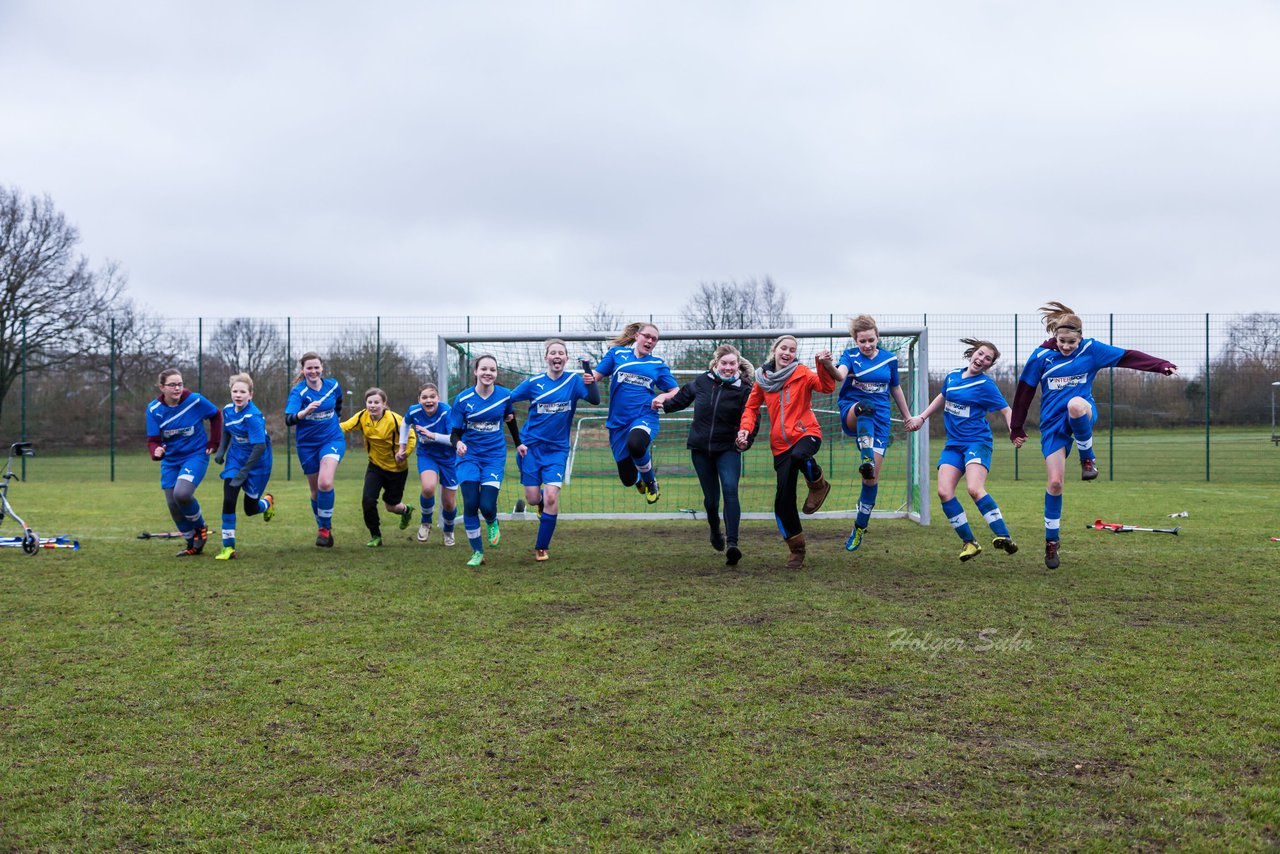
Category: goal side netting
[592,489]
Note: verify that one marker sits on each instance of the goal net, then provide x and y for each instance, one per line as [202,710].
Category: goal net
[592,489]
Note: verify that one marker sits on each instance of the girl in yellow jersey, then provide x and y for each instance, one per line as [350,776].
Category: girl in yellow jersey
[388,466]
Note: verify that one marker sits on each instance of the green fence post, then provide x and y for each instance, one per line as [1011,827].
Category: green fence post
[24,394]
[1111,403]
[288,362]
[377,352]
[200,354]
[112,415]
[1015,384]
[1206,396]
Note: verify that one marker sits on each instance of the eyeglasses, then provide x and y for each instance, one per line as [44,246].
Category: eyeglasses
[172,385]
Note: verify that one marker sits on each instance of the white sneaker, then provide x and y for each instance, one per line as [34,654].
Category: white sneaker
[424,532]
[448,538]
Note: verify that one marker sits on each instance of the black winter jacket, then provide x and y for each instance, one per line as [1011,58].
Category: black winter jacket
[717,410]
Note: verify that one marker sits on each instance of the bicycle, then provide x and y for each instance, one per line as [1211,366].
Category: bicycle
[30,542]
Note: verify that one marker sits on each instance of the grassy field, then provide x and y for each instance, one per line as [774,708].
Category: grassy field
[636,694]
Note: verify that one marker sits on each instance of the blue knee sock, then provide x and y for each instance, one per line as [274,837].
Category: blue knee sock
[427,506]
[959,521]
[644,466]
[472,526]
[866,439]
[546,529]
[229,529]
[447,517]
[1052,515]
[1082,430]
[315,511]
[995,519]
[324,511]
[866,503]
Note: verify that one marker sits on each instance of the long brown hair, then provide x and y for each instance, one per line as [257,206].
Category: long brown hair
[1058,316]
[862,323]
[746,370]
[628,335]
[302,360]
[975,343]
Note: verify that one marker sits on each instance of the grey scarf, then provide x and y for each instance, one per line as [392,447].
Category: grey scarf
[769,379]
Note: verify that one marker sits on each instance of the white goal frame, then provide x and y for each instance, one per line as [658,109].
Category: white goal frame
[919,400]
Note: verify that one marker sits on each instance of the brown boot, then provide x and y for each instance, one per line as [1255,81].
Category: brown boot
[796,544]
[817,494]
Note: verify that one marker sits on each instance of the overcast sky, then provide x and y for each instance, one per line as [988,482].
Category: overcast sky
[316,158]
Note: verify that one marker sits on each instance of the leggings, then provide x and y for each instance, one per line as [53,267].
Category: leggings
[716,472]
[478,501]
[178,497]
[229,494]
[790,464]
[637,445]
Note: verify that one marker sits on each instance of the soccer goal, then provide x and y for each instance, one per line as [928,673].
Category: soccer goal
[592,489]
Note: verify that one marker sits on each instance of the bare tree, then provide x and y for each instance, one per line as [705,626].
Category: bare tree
[1255,338]
[47,291]
[735,305]
[604,320]
[143,346]
[247,344]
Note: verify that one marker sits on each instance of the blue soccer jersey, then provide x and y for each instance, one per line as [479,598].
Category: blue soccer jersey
[181,427]
[632,384]
[1061,378]
[552,404]
[245,428]
[324,424]
[438,423]
[481,420]
[966,402]
[869,379]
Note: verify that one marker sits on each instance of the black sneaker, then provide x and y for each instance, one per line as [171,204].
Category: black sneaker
[1088,469]
[732,556]
[717,540]
[1051,554]
[189,551]
[324,538]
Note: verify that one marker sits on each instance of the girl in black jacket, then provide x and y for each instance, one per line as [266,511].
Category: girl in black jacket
[718,398]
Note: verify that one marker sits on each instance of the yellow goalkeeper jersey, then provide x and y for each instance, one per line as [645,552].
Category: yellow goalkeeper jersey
[382,438]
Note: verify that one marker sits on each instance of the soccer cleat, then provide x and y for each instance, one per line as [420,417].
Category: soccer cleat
[855,539]
[406,517]
[477,559]
[1088,469]
[1005,543]
[324,538]
[868,468]
[227,553]
[448,538]
[199,537]
[732,556]
[717,539]
[970,551]
[424,532]
[189,551]
[540,508]
[651,490]
[1051,554]
[495,535]
[541,554]
[374,543]
[270,512]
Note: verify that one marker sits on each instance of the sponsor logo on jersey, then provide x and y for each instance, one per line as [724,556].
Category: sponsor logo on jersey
[1056,383]
[552,408]
[633,379]
[324,415]
[871,388]
[957,410]
[178,433]
[243,440]
[485,426]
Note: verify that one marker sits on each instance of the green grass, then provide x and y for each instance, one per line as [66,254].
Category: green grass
[634,693]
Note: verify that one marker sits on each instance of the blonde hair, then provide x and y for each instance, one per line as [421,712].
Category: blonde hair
[551,342]
[862,323]
[241,378]
[1058,316]
[370,392]
[975,343]
[745,369]
[628,334]
[779,340]
[303,359]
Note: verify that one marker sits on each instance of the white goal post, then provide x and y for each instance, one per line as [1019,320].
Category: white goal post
[596,492]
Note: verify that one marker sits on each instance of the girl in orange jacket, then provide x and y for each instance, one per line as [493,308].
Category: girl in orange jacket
[786,387]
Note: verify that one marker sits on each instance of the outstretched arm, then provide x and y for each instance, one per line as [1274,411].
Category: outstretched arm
[1139,361]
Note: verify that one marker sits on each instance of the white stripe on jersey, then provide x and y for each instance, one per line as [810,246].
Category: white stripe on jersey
[181,411]
[567,379]
[1069,359]
[878,365]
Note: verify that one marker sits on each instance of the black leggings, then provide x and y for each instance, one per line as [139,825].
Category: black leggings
[390,484]
[637,446]
[789,465]
[229,494]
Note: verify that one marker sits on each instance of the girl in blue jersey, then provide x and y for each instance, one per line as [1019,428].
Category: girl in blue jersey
[1063,369]
[315,408]
[870,379]
[177,439]
[637,375]
[246,447]
[544,455]
[476,434]
[437,460]
[967,396]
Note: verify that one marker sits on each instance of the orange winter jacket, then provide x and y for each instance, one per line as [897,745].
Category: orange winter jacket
[790,409]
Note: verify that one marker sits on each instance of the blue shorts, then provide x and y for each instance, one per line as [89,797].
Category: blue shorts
[446,470]
[618,435]
[1054,437]
[963,456]
[311,455]
[256,483]
[486,471]
[544,465]
[880,437]
[191,467]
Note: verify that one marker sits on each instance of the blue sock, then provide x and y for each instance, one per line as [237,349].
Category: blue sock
[472,526]
[262,505]
[1052,515]
[447,517]
[866,503]
[991,512]
[645,467]
[546,528]
[229,529]
[315,511]
[1082,430]
[427,506]
[866,440]
[959,521]
[324,513]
